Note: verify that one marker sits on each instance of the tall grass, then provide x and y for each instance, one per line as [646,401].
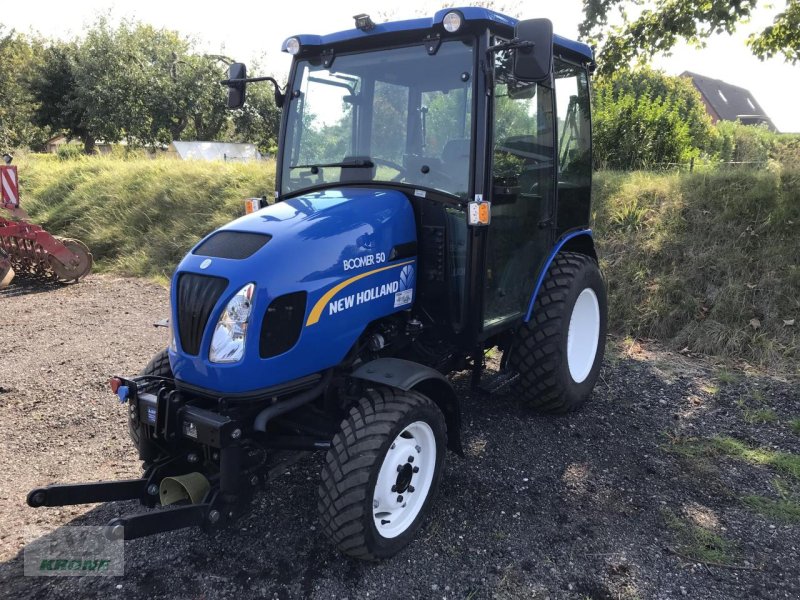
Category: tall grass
[708,261]
[138,217]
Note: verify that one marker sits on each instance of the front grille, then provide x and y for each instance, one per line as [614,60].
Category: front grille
[282,324]
[232,244]
[197,296]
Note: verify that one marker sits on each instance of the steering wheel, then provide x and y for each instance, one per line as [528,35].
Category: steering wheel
[401,170]
[441,174]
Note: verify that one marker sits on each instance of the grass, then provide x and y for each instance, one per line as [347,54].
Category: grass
[698,543]
[704,261]
[754,409]
[784,509]
[784,462]
[726,377]
[138,217]
[759,416]
[794,425]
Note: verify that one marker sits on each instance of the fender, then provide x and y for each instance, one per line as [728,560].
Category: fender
[573,235]
[407,376]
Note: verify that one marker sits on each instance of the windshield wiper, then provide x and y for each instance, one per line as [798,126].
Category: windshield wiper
[350,164]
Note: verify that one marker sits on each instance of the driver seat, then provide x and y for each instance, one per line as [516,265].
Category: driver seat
[455,159]
[356,174]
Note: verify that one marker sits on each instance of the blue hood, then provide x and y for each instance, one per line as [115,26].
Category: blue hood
[340,247]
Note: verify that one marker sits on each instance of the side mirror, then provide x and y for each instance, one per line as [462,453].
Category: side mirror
[236,89]
[533,61]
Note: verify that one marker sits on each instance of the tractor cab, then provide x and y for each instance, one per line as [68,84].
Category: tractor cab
[481,121]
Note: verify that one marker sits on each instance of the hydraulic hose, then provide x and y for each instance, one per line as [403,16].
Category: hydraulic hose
[281,408]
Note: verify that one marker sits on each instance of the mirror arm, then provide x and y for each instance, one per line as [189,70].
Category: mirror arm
[279,96]
[514,44]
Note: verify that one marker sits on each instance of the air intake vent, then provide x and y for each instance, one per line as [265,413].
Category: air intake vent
[282,324]
[197,296]
[232,244]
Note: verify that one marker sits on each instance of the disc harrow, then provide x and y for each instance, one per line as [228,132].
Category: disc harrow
[29,251]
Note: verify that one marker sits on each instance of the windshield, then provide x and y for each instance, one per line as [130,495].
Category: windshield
[398,115]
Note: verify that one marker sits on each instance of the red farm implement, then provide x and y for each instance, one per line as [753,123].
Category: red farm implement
[27,249]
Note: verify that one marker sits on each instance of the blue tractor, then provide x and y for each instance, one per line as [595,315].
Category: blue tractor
[432,201]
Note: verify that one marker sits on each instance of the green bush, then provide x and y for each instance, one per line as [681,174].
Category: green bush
[644,119]
[69,151]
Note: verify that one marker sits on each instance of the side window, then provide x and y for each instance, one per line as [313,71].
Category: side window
[574,145]
[521,192]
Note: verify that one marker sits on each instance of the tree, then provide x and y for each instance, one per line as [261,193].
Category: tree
[782,37]
[132,82]
[650,27]
[18,56]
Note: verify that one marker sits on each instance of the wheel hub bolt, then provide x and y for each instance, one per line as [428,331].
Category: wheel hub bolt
[394,488]
[399,498]
[152,489]
[399,468]
[375,504]
[410,459]
[411,489]
[117,532]
[415,470]
[418,449]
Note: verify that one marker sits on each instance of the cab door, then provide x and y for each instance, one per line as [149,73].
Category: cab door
[521,192]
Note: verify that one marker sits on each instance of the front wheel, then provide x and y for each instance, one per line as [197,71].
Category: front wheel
[382,472]
[558,352]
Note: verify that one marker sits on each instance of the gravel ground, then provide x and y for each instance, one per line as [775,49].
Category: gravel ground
[594,505]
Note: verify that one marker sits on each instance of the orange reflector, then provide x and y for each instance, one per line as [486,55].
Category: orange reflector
[115,382]
[479,213]
[251,205]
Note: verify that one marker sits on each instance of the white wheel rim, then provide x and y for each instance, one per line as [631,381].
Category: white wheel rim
[395,509]
[584,335]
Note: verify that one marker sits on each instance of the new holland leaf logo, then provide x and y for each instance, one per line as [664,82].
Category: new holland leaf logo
[407,277]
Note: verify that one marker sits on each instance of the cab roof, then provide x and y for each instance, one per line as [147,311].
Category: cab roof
[471,14]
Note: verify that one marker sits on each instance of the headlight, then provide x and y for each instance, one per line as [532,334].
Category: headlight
[293,46]
[172,344]
[452,21]
[227,345]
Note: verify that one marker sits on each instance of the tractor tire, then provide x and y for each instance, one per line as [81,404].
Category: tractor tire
[158,366]
[148,451]
[558,353]
[382,472]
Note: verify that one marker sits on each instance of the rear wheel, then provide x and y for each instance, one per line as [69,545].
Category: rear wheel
[558,352]
[382,472]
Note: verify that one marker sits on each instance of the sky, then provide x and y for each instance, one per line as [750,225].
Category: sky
[248,31]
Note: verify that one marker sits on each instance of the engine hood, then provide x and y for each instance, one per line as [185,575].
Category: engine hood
[351,252]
